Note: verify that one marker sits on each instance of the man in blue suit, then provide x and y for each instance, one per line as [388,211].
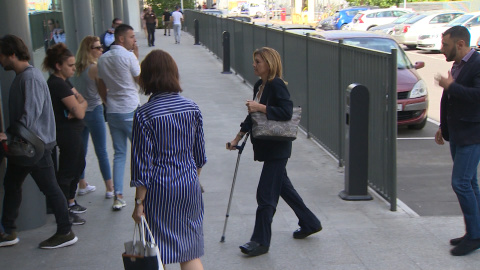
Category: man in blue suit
[460,125]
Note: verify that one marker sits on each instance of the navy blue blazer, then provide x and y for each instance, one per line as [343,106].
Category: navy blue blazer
[279,108]
[460,106]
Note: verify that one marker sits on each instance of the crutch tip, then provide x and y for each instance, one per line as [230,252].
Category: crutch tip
[222,240]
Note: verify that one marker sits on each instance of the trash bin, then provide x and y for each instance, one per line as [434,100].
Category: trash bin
[283,15]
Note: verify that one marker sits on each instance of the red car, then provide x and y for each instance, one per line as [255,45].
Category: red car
[412,99]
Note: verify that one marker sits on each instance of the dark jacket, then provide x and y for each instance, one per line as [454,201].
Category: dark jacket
[279,108]
[460,106]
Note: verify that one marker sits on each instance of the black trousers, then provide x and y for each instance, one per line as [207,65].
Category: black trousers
[151,33]
[71,160]
[44,175]
[274,182]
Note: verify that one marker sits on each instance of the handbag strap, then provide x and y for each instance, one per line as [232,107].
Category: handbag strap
[137,225]
[145,226]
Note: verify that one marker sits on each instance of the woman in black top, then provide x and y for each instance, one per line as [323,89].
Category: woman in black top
[271,97]
[69,108]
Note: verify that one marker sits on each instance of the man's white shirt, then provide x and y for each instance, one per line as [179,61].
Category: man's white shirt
[117,68]
[177,16]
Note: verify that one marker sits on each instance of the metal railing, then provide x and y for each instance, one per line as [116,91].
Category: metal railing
[318,73]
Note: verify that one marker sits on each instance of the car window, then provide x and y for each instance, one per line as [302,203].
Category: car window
[352,13]
[460,20]
[443,18]
[384,14]
[398,13]
[475,21]
[381,44]
[371,15]
[415,19]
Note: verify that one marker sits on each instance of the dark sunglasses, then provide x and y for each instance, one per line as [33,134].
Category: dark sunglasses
[100,48]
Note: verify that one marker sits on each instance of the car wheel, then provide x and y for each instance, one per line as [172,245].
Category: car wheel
[418,126]
[343,27]
[411,47]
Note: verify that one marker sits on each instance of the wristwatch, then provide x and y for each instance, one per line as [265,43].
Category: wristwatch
[138,201]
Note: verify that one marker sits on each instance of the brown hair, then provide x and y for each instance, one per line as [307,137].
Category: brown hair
[57,54]
[84,57]
[13,45]
[273,60]
[159,74]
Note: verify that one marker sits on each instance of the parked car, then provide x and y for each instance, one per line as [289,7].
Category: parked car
[327,23]
[412,94]
[388,28]
[301,29]
[407,33]
[242,18]
[215,12]
[432,39]
[345,16]
[364,20]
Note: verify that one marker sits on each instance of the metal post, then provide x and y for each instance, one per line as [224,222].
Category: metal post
[226,52]
[14,19]
[356,135]
[197,32]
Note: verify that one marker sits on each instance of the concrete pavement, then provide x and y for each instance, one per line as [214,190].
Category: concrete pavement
[356,235]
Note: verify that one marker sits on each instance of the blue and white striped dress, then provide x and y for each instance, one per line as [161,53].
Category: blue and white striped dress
[167,148]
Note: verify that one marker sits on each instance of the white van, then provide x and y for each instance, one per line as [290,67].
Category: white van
[253,9]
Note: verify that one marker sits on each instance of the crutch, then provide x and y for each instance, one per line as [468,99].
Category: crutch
[240,150]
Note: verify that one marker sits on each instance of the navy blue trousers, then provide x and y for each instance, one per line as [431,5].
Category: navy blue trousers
[274,182]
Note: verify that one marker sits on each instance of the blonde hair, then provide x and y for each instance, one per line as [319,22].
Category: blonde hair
[273,60]
[84,57]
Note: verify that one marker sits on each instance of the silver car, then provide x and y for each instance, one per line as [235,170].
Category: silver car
[407,33]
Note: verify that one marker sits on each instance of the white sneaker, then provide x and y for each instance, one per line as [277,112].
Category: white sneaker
[118,204]
[109,194]
[86,190]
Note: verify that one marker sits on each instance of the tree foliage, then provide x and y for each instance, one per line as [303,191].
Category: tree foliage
[159,6]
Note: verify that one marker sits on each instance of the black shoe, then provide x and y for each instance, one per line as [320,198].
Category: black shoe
[456,241]
[465,247]
[253,248]
[164,34]
[301,233]
[75,219]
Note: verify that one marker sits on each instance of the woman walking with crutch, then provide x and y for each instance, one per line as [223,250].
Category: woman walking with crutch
[271,97]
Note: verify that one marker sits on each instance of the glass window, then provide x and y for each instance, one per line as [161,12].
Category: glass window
[384,45]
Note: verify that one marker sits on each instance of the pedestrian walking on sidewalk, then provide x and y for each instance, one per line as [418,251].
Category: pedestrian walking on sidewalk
[177,18]
[87,71]
[168,152]
[151,22]
[29,103]
[274,182]
[69,109]
[167,23]
[460,125]
[119,70]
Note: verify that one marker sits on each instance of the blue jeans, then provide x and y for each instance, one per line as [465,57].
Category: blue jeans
[120,128]
[465,184]
[95,125]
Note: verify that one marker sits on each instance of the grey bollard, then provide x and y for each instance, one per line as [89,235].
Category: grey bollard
[197,32]
[356,144]
[226,52]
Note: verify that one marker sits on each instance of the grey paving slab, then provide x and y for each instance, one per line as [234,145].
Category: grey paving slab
[356,235]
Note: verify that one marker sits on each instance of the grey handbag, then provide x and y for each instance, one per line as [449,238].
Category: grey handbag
[264,129]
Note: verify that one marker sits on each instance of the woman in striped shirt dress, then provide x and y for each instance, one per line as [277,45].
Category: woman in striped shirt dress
[168,152]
